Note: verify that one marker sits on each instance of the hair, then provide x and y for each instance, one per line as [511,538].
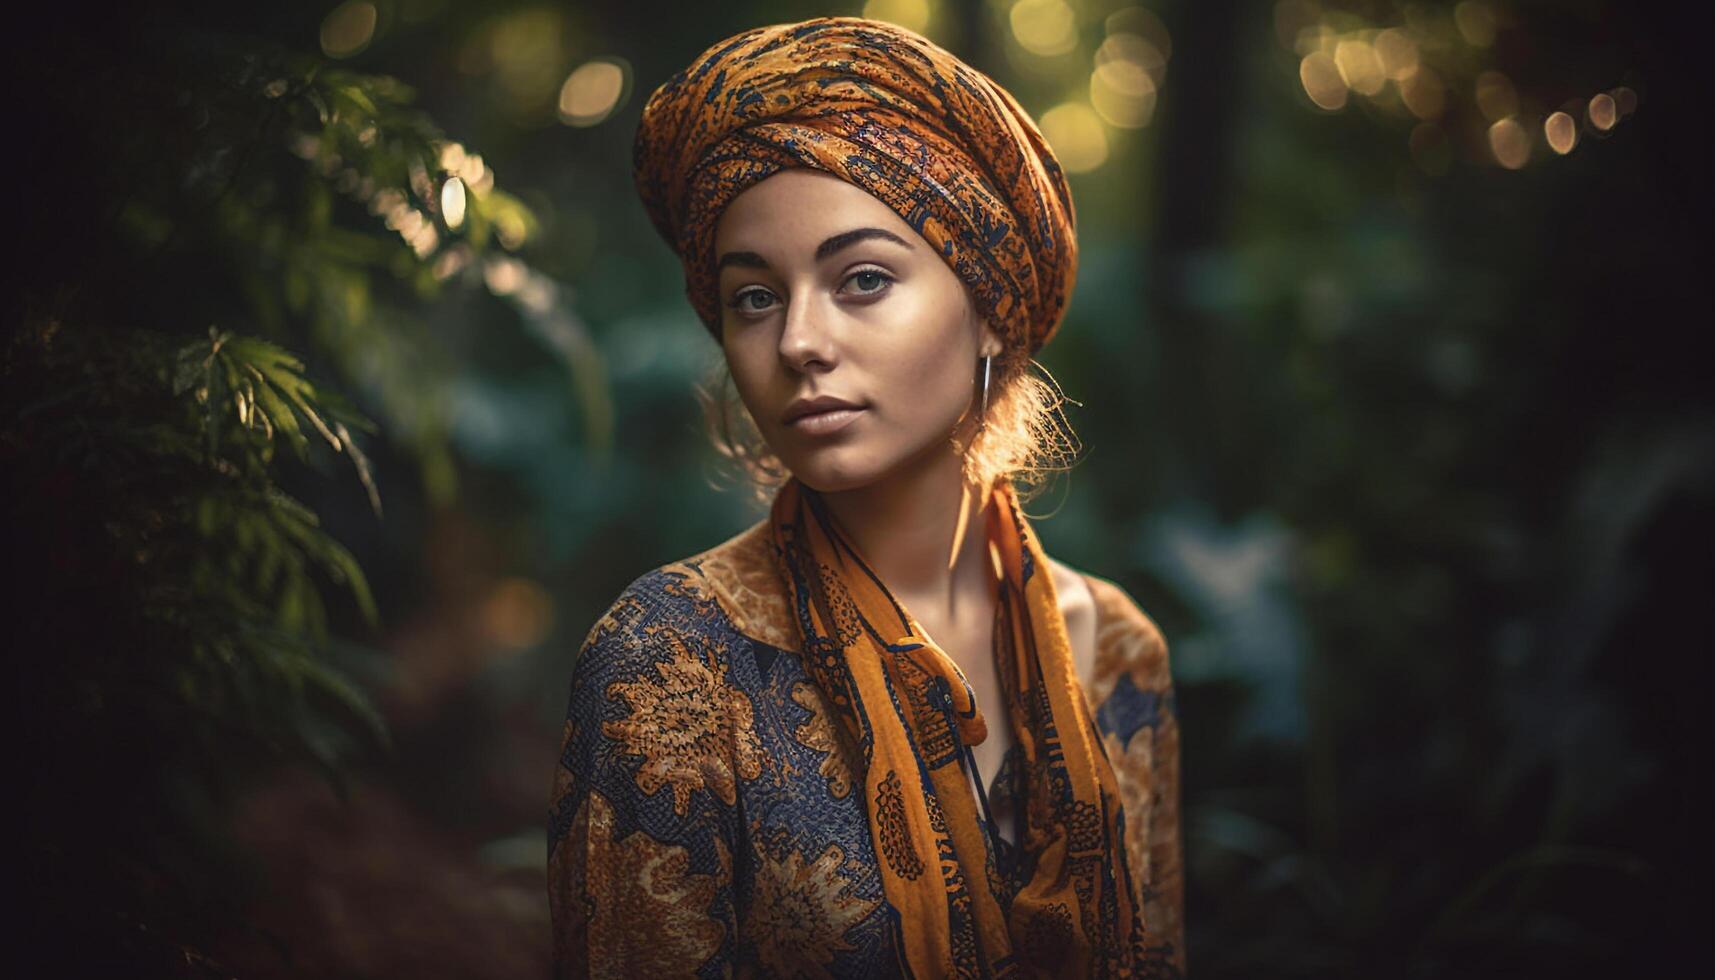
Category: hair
[1025,436]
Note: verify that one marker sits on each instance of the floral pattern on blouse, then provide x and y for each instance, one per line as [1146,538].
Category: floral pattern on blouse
[702,820]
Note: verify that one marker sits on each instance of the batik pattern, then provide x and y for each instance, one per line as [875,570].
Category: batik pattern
[951,152]
[909,709]
[740,844]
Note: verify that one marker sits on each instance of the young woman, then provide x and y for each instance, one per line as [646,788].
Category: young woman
[881,732]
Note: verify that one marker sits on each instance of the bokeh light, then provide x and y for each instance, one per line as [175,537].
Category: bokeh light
[451,261]
[468,167]
[1142,22]
[593,91]
[1075,132]
[1044,27]
[1397,53]
[503,275]
[1510,143]
[1123,94]
[1332,297]
[348,29]
[1359,67]
[413,226]
[1322,81]
[1134,49]
[1603,112]
[1561,131]
[452,201]
[1123,86]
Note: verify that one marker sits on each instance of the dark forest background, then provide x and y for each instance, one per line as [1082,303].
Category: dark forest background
[345,384]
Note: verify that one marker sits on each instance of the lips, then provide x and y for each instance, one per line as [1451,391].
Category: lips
[826,423]
[816,406]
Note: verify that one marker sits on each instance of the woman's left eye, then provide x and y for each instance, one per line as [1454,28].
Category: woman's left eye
[869,281]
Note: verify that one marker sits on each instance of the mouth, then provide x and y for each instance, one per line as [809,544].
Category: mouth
[827,421]
[801,407]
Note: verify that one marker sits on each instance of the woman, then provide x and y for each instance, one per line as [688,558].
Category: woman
[880,732]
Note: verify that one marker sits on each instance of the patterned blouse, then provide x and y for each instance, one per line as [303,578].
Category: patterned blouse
[703,822]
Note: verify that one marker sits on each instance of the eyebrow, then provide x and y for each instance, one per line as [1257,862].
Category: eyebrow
[835,243]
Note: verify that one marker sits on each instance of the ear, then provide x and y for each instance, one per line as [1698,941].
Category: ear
[988,344]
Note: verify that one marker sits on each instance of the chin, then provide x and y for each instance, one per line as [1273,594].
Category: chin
[833,476]
[835,469]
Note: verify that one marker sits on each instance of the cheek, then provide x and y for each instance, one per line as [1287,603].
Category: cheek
[747,366]
[928,372]
[757,378]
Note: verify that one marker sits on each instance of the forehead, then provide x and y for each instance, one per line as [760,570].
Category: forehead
[799,206]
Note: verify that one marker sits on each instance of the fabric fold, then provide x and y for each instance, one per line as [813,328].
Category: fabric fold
[883,108]
[907,708]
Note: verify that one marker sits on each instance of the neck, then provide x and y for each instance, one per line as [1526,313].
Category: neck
[904,527]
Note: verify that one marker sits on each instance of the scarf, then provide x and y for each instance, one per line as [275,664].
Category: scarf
[905,703]
[886,109]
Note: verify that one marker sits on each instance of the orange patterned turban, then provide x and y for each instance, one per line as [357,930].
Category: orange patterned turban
[937,141]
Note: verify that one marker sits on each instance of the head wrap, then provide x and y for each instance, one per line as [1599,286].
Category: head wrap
[886,109]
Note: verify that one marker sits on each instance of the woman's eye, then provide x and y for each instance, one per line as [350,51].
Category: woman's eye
[864,282]
[867,281]
[752,301]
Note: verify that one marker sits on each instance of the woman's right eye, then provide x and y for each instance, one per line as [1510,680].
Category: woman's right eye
[751,300]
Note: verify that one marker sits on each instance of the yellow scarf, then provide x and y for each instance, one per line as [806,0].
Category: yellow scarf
[905,703]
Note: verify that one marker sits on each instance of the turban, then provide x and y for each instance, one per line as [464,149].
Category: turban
[943,145]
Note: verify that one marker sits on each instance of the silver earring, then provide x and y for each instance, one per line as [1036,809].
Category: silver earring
[983,421]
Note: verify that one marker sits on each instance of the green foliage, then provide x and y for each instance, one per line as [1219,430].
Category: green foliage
[297,206]
[187,611]
[303,203]
[218,574]
[1405,452]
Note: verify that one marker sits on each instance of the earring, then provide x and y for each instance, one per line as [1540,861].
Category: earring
[983,420]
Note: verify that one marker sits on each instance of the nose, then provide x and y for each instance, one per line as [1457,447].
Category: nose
[806,339]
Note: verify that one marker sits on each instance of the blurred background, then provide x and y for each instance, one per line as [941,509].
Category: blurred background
[346,384]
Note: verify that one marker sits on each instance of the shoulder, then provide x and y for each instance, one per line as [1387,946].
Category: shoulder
[1078,606]
[1128,641]
[1123,640]
[698,603]
[742,575]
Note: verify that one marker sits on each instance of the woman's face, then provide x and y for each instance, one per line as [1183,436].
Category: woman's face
[827,293]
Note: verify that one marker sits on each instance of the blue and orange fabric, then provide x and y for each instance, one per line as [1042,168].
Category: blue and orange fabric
[727,805]
[944,146]
[767,765]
